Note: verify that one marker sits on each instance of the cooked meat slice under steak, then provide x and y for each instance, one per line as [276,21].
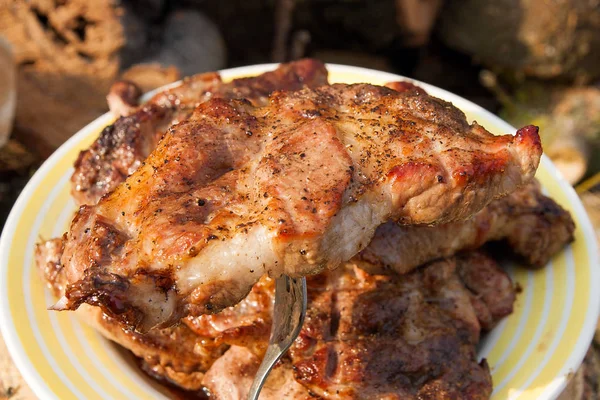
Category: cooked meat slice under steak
[123,146]
[370,336]
[491,290]
[534,226]
[246,324]
[231,376]
[294,187]
[407,337]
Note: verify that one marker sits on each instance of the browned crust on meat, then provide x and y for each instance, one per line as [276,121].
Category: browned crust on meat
[122,146]
[405,86]
[178,354]
[411,337]
[123,98]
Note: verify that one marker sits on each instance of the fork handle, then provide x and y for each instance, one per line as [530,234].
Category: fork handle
[289,310]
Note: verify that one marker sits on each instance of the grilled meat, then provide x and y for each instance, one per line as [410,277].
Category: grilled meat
[366,335]
[123,146]
[534,226]
[490,290]
[123,98]
[409,337]
[283,180]
[405,86]
[177,354]
[249,323]
[370,336]
[294,187]
[231,376]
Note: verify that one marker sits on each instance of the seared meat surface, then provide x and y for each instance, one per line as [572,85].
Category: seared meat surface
[409,337]
[237,190]
[534,226]
[123,146]
[300,185]
[177,354]
[248,324]
[490,290]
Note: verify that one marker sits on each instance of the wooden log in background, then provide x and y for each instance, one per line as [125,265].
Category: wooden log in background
[66,54]
[8,90]
[542,38]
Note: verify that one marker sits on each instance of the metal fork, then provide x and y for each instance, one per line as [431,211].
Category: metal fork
[288,315]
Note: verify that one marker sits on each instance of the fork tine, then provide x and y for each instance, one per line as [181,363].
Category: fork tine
[288,315]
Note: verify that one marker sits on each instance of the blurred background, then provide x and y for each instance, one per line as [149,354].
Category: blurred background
[529,61]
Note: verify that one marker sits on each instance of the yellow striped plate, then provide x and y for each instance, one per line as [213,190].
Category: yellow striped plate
[532,353]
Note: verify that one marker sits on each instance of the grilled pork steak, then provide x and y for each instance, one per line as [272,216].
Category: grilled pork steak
[534,226]
[123,146]
[293,187]
[248,324]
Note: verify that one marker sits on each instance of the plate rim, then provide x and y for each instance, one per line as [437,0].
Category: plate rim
[13,341]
